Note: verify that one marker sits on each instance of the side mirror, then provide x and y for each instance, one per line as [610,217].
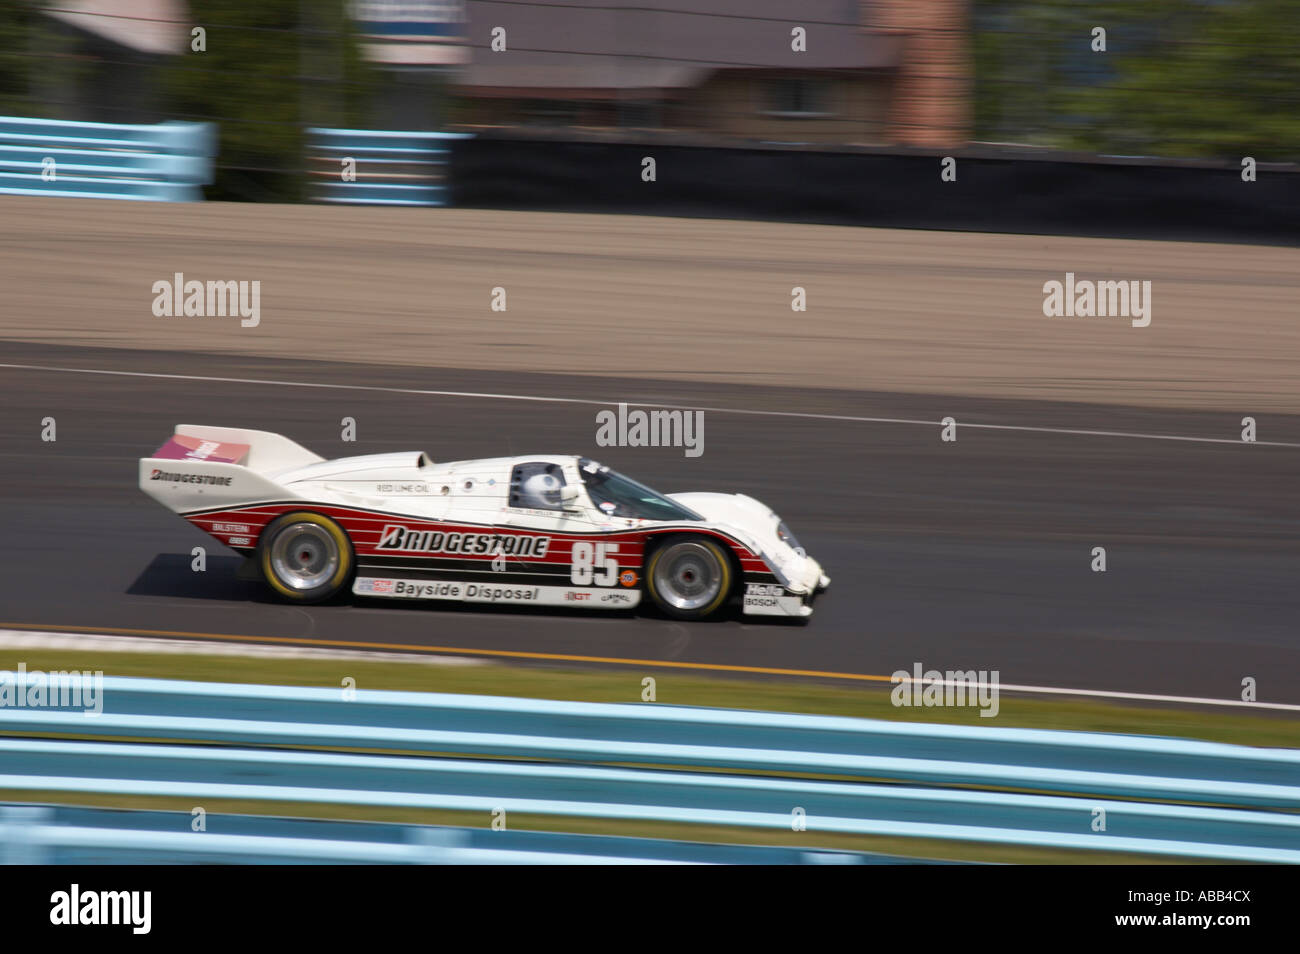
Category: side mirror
[569,493]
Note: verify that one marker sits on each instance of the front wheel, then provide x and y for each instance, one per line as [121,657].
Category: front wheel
[689,578]
[305,557]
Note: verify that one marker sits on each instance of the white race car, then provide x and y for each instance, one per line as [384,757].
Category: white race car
[543,530]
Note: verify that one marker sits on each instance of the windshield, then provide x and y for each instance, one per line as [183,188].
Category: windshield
[620,496]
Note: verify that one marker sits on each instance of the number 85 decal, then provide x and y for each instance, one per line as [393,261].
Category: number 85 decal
[593,564]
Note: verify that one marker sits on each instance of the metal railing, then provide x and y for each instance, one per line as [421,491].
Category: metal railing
[61,834]
[379,167]
[167,162]
[1046,788]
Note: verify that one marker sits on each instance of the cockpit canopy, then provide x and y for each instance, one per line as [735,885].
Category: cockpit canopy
[620,496]
[541,485]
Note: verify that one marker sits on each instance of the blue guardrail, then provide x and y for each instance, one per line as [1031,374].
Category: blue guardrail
[167,162]
[379,167]
[1080,791]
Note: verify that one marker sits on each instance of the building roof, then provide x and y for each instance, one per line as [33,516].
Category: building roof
[556,46]
[615,45]
[149,26]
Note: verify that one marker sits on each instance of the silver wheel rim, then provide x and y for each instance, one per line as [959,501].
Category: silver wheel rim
[304,556]
[687,576]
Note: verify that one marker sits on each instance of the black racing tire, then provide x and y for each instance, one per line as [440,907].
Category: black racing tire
[305,557]
[690,577]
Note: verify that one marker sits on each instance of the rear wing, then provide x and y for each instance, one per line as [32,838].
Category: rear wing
[259,451]
[201,467]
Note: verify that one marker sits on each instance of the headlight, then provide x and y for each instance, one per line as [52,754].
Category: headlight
[788,538]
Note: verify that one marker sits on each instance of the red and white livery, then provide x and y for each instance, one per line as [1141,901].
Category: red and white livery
[541,529]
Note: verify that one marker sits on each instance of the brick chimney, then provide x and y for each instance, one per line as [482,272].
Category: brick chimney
[931,105]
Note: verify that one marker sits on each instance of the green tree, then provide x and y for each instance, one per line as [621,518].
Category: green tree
[1182,78]
[270,69]
[1200,79]
[39,64]
[1022,68]
[15,57]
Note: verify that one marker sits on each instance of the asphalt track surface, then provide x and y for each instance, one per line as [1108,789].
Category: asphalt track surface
[973,554]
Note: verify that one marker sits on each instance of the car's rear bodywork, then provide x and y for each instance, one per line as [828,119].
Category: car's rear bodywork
[476,530]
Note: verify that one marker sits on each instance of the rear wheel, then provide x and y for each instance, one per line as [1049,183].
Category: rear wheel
[305,557]
[690,577]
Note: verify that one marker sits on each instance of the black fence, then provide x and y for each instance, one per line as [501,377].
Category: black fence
[992,192]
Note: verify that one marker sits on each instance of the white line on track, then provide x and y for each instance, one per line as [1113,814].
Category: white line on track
[675,407]
[1105,694]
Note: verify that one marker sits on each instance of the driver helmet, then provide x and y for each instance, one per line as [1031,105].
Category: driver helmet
[543,489]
